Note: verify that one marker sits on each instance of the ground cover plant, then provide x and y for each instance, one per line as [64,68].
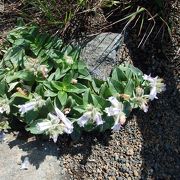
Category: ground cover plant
[45,85]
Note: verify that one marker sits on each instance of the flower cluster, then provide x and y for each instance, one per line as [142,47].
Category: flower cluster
[57,124]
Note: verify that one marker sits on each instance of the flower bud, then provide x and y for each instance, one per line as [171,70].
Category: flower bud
[74,81]
[122,118]
[139,91]
[124,96]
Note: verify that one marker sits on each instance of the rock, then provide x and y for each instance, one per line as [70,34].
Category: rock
[25,164]
[130,152]
[135,173]
[116,157]
[112,178]
[100,54]
[2,136]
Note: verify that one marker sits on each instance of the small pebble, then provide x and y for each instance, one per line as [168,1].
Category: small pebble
[130,152]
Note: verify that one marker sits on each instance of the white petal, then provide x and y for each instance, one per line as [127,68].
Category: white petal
[68,130]
[60,114]
[42,126]
[26,107]
[84,119]
[54,137]
[153,94]
[68,124]
[54,118]
[1,110]
[114,101]
[152,80]
[116,127]
[144,107]
[147,77]
[98,118]
[111,111]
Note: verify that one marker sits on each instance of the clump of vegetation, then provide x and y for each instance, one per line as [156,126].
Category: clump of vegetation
[45,85]
[102,15]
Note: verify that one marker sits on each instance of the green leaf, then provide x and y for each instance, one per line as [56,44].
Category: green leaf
[58,85]
[40,89]
[99,101]
[3,88]
[129,87]
[105,91]
[77,98]
[68,77]
[33,127]
[80,108]
[78,88]
[62,96]
[30,116]
[22,75]
[58,75]
[96,84]
[115,87]
[118,75]
[49,93]
[87,97]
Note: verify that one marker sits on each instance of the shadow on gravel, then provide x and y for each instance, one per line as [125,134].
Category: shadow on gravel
[82,146]
[36,150]
[160,128]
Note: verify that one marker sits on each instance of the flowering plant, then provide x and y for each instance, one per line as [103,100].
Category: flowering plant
[45,85]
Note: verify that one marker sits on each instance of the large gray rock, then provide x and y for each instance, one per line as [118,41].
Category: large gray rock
[100,54]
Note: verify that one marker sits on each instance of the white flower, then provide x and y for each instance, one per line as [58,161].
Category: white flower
[116,127]
[55,125]
[27,107]
[116,110]
[92,114]
[156,86]
[153,93]
[98,119]
[37,102]
[68,124]
[141,99]
[84,119]
[42,126]
[112,111]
